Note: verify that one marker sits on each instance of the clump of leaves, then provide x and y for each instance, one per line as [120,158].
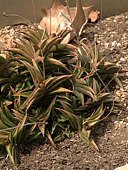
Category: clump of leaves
[45,93]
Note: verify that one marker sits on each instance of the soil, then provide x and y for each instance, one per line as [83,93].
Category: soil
[111,136]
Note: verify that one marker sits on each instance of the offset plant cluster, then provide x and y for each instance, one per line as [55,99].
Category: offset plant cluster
[49,88]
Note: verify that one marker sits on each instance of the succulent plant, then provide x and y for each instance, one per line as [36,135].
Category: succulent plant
[44,94]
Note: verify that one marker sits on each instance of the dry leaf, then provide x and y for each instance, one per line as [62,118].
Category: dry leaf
[79,17]
[57,18]
[94,15]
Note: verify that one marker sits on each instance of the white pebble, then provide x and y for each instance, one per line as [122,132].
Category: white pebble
[122,59]
[125,167]
[121,122]
[106,45]
[118,44]
[114,43]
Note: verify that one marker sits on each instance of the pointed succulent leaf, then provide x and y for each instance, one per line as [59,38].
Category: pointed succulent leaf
[9,151]
[31,35]
[50,139]
[58,63]
[27,103]
[94,118]
[57,81]
[4,118]
[26,46]
[85,135]
[60,90]
[34,71]
[85,91]
[84,86]
[50,43]
[19,52]
[47,113]
[80,96]
[66,105]
[73,118]
[18,115]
